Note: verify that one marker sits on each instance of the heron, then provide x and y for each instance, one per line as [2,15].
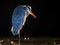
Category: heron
[19,16]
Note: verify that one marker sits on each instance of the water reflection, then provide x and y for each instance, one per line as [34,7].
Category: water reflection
[30,41]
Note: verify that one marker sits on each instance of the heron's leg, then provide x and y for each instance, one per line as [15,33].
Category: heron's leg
[19,30]
[19,38]
[19,33]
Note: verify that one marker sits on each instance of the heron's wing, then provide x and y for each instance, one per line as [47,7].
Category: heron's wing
[17,22]
[18,18]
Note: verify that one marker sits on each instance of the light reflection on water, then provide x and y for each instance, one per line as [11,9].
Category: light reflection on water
[30,41]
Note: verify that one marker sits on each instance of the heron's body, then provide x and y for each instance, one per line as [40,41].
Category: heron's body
[19,17]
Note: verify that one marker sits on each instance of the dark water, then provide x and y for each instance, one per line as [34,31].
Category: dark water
[30,41]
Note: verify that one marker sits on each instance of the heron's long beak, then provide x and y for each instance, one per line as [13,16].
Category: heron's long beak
[31,13]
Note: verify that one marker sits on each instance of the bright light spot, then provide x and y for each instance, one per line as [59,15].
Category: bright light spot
[28,38]
[24,38]
[12,42]
[1,40]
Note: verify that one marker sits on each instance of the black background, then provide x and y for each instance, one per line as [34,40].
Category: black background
[44,25]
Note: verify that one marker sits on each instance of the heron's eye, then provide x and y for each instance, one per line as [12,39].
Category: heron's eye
[25,8]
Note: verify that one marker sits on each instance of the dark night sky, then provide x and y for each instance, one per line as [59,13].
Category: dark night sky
[44,25]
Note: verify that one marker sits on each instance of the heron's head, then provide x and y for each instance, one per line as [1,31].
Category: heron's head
[29,10]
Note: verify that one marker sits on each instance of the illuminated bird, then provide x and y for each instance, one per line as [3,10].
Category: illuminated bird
[19,16]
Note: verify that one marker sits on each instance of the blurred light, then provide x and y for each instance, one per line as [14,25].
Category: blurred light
[54,43]
[28,38]
[24,38]
[58,44]
[12,42]
[8,39]
[1,40]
